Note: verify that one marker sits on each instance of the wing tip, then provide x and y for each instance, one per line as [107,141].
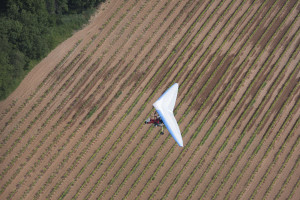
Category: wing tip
[180,143]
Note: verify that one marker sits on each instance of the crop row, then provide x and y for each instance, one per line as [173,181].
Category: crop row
[135,182]
[140,95]
[52,115]
[195,115]
[133,136]
[200,60]
[110,96]
[296,186]
[138,146]
[20,108]
[204,103]
[235,145]
[186,182]
[122,101]
[291,173]
[22,149]
[31,139]
[35,105]
[221,148]
[154,158]
[31,124]
[224,126]
[206,82]
[19,139]
[248,144]
[236,163]
[262,180]
[263,140]
[280,150]
[7,110]
[227,139]
[133,150]
[99,87]
[61,76]
[238,141]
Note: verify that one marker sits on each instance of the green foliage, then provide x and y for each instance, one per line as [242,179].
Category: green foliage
[92,111]
[30,29]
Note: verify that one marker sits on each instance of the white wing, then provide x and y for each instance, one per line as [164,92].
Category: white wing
[165,106]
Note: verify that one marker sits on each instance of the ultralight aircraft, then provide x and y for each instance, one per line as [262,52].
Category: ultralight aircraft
[164,107]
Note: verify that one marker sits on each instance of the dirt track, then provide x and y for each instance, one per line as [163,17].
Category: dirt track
[74,128]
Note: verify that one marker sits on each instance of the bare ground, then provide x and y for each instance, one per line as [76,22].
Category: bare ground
[74,127]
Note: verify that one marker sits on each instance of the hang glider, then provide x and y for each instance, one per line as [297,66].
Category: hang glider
[164,107]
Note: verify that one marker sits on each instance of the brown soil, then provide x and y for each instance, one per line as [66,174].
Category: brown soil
[74,128]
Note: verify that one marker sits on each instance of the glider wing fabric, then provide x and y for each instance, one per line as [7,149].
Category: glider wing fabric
[165,106]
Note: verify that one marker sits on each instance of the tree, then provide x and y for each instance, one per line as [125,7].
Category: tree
[29,29]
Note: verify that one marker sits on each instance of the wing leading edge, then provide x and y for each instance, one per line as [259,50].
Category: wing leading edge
[165,106]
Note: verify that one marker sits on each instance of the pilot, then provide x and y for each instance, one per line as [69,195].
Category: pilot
[156,121]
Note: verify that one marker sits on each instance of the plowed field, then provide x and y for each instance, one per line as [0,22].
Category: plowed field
[74,128]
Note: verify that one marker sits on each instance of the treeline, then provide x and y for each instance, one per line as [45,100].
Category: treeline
[29,29]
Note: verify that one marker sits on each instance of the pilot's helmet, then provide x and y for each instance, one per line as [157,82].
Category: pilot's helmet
[147,121]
